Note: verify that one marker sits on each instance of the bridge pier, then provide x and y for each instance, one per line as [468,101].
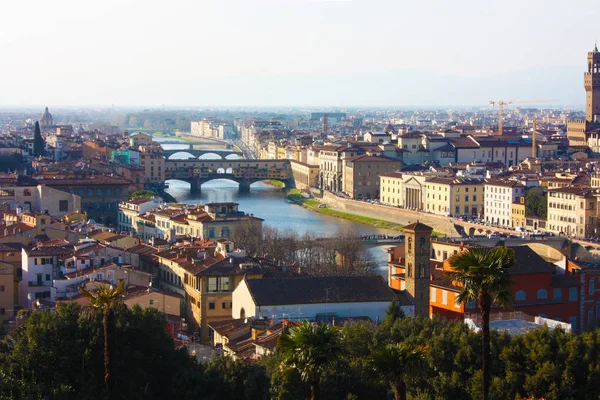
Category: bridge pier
[195,187]
[244,187]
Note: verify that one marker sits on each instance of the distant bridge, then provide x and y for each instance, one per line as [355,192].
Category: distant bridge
[244,172]
[195,152]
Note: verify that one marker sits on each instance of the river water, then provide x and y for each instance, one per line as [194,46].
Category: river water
[268,202]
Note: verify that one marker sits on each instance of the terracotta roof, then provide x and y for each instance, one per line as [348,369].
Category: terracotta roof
[418,227]
[48,251]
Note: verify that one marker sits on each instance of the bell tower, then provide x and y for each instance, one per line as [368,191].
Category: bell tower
[591,82]
[417,265]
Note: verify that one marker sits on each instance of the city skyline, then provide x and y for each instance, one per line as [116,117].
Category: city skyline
[295,53]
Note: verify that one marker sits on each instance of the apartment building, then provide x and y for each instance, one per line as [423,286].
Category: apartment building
[361,177]
[499,198]
[572,211]
[454,196]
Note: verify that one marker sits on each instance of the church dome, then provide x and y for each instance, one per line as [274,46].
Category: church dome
[46,119]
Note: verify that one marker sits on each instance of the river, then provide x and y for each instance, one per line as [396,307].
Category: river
[268,202]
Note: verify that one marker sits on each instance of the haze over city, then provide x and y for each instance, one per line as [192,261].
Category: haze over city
[294,53]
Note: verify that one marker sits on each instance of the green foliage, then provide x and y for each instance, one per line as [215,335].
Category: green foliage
[38,141]
[536,204]
[58,354]
[13,162]
[483,277]
[143,194]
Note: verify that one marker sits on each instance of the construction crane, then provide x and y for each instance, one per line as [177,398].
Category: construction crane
[502,103]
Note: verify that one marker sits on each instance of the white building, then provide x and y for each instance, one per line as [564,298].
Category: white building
[40,268]
[314,298]
[130,210]
[499,196]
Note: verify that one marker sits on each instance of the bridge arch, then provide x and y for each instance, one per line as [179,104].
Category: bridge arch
[233,156]
[210,156]
[179,153]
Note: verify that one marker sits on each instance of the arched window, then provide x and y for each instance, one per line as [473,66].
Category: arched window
[242,313]
[422,247]
[421,271]
[520,295]
[409,274]
[409,245]
[542,294]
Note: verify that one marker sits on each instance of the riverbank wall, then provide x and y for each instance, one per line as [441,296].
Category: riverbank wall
[397,215]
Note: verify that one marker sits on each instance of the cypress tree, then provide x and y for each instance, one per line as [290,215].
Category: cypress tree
[38,141]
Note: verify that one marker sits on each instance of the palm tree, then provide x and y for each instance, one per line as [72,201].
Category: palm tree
[483,277]
[105,300]
[310,350]
[397,362]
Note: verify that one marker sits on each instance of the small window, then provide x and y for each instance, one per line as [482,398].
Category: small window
[151,302]
[47,277]
[63,205]
[520,295]
[557,293]
[27,192]
[542,294]
[2,288]
[573,294]
[211,306]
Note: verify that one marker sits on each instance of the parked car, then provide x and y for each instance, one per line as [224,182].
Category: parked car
[322,206]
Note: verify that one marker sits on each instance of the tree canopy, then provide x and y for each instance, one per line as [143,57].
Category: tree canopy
[57,354]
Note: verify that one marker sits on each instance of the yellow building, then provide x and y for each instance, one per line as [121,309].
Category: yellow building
[390,188]
[305,175]
[153,162]
[518,213]
[454,196]
[572,211]
[206,278]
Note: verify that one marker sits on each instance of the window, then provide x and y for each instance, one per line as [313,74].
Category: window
[117,191]
[211,233]
[520,295]
[573,322]
[63,205]
[433,295]
[151,302]
[242,313]
[27,192]
[557,293]
[542,294]
[591,287]
[2,288]
[573,294]
[98,192]
[108,192]
[80,192]
[456,302]
[218,284]
[47,277]
[2,311]
[90,192]
[211,306]
[445,297]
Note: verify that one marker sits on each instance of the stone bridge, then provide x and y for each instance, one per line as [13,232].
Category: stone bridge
[195,152]
[244,172]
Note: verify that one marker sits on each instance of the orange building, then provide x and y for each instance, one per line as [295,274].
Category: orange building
[540,288]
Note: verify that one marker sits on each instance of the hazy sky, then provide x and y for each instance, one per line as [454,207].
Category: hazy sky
[293,52]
